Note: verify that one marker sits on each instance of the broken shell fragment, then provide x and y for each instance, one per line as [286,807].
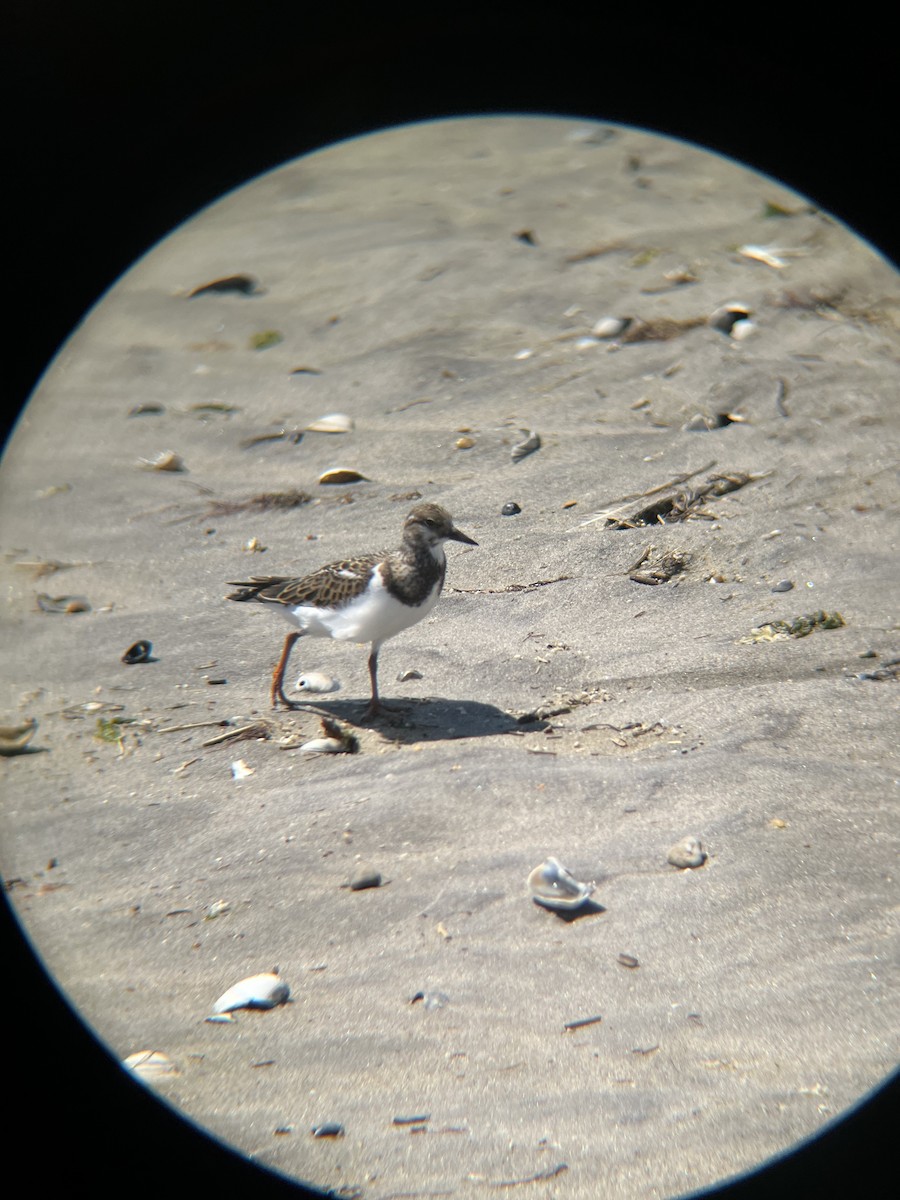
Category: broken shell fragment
[331,423]
[244,284]
[342,475]
[324,745]
[256,991]
[138,653]
[15,738]
[553,887]
[316,682]
[151,1065]
[688,852]
[728,315]
[166,460]
[63,604]
[522,449]
[240,770]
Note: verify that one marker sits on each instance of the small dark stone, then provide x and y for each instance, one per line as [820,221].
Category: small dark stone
[510,509]
[784,585]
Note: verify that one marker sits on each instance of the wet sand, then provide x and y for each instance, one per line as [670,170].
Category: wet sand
[440,283]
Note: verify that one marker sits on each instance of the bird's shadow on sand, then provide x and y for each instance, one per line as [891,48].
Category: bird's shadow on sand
[434,719]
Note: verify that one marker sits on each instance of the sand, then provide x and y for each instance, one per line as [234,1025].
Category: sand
[439,283]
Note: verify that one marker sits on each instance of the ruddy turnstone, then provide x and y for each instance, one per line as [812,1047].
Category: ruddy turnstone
[366,599]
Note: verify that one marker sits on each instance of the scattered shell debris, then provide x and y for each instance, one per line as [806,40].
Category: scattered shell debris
[267,990]
[317,683]
[151,1065]
[14,739]
[658,567]
[336,475]
[63,604]
[554,887]
[686,853]
[336,422]
[246,285]
[140,652]
[166,460]
[522,449]
[797,628]
[674,502]
[254,546]
[217,909]
[240,770]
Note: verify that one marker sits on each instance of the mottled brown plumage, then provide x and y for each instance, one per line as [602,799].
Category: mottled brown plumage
[369,598]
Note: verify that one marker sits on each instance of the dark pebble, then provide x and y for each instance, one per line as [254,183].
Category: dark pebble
[785,585]
[511,509]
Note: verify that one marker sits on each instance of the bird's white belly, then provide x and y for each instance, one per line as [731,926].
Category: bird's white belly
[371,617]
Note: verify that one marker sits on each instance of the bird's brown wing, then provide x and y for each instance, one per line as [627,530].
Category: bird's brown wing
[328,587]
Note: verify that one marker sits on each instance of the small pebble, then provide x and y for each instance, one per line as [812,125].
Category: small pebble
[627,960]
[687,853]
[784,585]
[510,509]
[364,877]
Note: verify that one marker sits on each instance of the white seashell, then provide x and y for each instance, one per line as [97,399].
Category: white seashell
[772,256]
[341,475]
[324,745]
[256,991]
[611,327]
[151,1065]
[726,316]
[585,343]
[166,460]
[743,329]
[688,852]
[553,887]
[316,681]
[240,770]
[331,423]
[522,449]
[522,354]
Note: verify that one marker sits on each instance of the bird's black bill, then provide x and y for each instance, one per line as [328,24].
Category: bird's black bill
[458,536]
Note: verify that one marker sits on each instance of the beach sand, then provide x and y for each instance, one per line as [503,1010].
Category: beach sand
[439,284]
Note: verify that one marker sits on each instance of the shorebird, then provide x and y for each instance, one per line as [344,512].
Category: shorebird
[369,598]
